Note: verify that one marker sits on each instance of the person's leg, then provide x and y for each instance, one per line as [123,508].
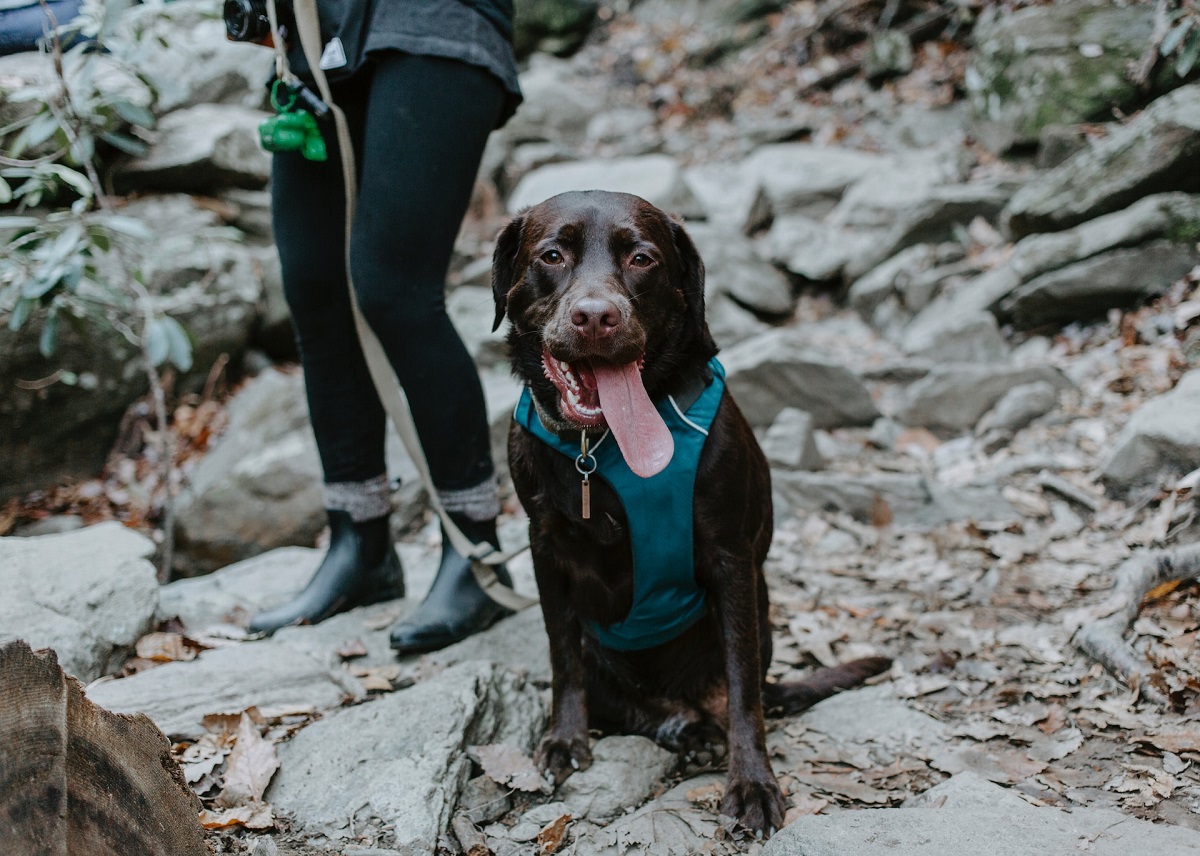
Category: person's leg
[426,125]
[308,211]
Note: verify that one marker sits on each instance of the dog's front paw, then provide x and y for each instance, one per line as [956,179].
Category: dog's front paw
[561,756]
[756,805]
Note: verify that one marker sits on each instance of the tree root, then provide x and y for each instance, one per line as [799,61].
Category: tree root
[1101,633]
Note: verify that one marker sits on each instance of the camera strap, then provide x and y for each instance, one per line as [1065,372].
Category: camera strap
[483,556]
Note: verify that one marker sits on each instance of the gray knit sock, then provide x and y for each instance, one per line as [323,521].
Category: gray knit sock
[365,500]
[481,502]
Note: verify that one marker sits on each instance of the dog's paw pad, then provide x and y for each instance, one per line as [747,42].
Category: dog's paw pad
[755,805]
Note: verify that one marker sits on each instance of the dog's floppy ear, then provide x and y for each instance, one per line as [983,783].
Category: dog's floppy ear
[693,273]
[504,265]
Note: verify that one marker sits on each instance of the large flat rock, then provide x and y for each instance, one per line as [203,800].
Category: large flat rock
[178,695]
[1161,438]
[401,759]
[968,815]
[656,178]
[772,371]
[1156,152]
[88,594]
[955,396]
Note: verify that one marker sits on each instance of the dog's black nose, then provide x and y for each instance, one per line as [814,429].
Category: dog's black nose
[594,317]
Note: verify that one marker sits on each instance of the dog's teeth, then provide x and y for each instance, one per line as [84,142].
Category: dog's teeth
[574,763]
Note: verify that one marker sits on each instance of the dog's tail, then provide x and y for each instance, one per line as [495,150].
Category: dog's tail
[788,697]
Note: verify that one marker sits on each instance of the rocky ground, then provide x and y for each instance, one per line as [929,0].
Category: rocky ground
[972,368]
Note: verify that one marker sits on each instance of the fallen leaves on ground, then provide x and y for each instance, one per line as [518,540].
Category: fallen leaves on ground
[508,765]
[553,834]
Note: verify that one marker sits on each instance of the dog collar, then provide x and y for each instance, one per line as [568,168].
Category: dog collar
[666,599]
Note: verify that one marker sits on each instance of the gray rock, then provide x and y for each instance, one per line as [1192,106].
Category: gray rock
[889,52]
[956,396]
[88,594]
[177,696]
[201,149]
[260,485]
[934,216]
[671,824]
[625,131]
[730,322]
[801,178]
[885,279]
[789,442]
[772,371]
[557,108]
[1088,289]
[1155,152]
[908,500]
[251,585]
[970,338]
[731,266]
[1019,406]
[812,249]
[730,197]
[182,50]
[873,715]
[656,178]
[1169,215]
[1162,436]
[965,815]
[517,643]
[624,770]
[898,184]
[415,742]
[274,333]
[483,801]
[1058,64]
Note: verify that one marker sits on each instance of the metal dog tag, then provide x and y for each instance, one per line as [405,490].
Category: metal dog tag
[585,465]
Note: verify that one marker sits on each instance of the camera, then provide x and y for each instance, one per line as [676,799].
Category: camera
[247,21]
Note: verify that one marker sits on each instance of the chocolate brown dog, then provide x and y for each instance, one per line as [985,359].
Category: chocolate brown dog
[606,298]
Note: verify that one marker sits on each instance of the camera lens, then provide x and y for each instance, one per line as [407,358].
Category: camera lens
[245,20]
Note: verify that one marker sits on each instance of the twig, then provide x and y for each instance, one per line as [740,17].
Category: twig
[1103,638]
[1141,69]
[469,837]
[142,298]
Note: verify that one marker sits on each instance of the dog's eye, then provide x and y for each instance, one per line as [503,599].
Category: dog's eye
[641,260]
[552,257]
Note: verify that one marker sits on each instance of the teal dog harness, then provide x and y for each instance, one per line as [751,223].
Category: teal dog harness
[666,599]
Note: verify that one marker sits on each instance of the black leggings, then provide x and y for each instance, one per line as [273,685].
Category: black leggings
[419,125]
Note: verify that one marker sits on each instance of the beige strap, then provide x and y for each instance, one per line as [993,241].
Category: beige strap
[484,557]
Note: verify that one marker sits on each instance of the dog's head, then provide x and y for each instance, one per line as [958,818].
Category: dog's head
[605,293]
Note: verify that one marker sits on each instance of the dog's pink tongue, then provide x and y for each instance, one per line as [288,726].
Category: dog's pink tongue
[644,438]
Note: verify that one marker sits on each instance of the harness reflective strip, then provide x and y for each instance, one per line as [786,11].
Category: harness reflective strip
[666,599]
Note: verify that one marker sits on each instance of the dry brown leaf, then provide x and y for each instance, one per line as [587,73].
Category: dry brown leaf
[377,678]
[1154,593]
[251,765]
[802,805]
[507,765]
[166,647]
[228,723]
[351,648]
[1056,718]
[250,816]
[553,834]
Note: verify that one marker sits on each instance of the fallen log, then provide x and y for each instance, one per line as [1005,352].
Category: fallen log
[1101,630]
[76,779]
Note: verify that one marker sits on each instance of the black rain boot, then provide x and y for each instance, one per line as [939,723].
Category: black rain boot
[456,607]
[361,567]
